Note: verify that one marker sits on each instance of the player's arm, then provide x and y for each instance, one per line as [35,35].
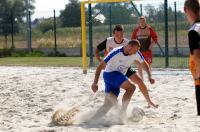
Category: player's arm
[134,33]
[101,66]
[97,55]
[197,62]
[100,47]
[153,35]
[146,67]
[145,91]
[140,59]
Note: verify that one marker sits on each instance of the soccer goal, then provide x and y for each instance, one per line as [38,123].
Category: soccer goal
[83,25]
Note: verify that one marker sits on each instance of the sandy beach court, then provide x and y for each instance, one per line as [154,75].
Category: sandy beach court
[29,95]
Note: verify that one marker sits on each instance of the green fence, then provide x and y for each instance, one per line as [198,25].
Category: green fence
[47,32]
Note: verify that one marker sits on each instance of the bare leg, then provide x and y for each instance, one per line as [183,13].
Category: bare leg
[136,79]
[130,88]
[110,100]
[150,66]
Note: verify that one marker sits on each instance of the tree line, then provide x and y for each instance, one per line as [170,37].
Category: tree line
[121,13]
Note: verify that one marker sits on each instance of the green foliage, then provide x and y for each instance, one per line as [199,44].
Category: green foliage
[12,11]
[21,53]
[36,53]
[24,53]
[46,25]
[157,14]
[71,16]
[5,52]
[57,54]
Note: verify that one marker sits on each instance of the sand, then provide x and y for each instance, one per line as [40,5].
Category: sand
[29,96]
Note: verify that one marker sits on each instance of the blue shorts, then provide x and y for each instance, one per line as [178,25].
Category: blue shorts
[113,81]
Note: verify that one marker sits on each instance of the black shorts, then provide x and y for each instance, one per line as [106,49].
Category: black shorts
[130,72]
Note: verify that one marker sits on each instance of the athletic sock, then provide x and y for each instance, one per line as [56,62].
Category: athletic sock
[198,99]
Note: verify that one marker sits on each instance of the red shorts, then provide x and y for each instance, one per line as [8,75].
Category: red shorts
[147,56]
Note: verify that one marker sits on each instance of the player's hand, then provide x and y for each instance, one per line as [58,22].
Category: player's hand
[150,104]
[151,80]
[94,87]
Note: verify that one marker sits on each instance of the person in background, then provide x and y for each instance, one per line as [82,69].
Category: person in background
[110,43]
[145,34]
[192,12]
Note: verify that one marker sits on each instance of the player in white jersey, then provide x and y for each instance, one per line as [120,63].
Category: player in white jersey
[116,64]
[110,43]
[116,41]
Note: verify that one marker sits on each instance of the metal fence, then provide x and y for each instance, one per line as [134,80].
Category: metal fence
[177,46]
[48,35]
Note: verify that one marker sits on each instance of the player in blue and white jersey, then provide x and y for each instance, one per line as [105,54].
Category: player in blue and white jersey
[116,64]
[118,40]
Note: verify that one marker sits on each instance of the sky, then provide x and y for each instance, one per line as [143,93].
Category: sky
[45,5]
[44,8]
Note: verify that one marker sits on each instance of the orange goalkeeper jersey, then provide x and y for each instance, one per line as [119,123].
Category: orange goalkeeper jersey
[194,43]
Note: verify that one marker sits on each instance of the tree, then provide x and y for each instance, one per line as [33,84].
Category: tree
[15,8]
[151,12]
[44,25]
[158,14]
[180,16]
[12,11]
[71,15]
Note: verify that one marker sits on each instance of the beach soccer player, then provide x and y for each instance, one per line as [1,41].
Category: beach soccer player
[116,41]
[116,64]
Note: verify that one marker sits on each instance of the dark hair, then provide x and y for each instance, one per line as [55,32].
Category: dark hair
[192,5]
[134,42]
[118,28]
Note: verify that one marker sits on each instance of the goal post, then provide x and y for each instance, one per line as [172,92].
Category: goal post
[83,27]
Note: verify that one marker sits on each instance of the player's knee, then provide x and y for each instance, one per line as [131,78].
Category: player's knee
[136,79]
[131,89]
[139,81]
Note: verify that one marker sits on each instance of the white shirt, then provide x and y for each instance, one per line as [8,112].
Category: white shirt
[117,61]
[196,27]
[111,43]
